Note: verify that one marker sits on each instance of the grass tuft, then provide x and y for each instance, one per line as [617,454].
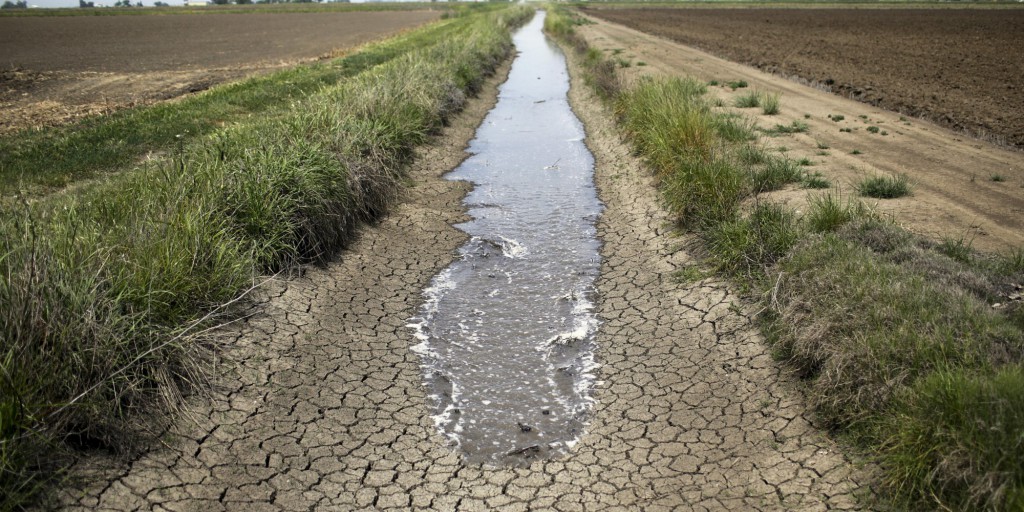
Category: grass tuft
[827,212]
[770,104]
[885,187]
[775,174]
[745,246]
[749,100]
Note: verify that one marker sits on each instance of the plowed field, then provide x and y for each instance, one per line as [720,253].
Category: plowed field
[958,67]
[54,69]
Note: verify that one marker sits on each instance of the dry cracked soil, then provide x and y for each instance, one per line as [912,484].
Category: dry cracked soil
[320,402]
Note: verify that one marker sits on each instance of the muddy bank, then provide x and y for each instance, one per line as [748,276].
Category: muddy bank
[323,404]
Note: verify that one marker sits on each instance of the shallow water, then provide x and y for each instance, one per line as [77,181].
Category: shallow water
[507,329]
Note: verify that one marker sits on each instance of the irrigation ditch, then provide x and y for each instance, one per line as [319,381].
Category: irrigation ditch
[323,403]
[595,310]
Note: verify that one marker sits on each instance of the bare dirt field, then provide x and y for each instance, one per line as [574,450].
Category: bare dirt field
[960,68]
[961,187]
[54,69]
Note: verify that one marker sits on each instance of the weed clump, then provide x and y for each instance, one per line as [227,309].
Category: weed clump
[776,173]
[885,187]
[770,104]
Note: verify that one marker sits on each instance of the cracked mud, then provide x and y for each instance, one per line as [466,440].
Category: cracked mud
[322,406]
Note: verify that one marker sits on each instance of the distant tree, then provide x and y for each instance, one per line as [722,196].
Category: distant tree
[138,4]
[243,2]
[219,2]
[83,4]
[15,5]
[158,3]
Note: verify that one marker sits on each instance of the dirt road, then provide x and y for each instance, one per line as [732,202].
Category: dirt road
[962,187]
[323,405]
[57,69]
[950,66]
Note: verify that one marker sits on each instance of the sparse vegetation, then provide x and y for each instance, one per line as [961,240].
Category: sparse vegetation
[873,129]
[836,117]
[787,129]
[997,178]
[815,180]
[737,84]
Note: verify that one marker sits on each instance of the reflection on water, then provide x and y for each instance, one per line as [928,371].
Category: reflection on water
[507,330]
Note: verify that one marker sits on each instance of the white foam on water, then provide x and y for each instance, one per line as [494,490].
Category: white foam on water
[511,248]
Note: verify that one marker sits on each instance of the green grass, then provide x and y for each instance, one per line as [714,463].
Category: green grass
[769,102]
[38,161]
[827,212]
[884,187]
[750,100]
[737,84]
[900,350]
[109,288]
[747,245]
[775,174]
[901,376]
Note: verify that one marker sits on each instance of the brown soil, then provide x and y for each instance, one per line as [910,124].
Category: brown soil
[961,68]
[954,193]
[56,69]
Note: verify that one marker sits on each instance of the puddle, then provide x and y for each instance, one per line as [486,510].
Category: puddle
[507,330]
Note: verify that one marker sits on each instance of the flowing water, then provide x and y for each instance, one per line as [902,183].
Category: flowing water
[507,330]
